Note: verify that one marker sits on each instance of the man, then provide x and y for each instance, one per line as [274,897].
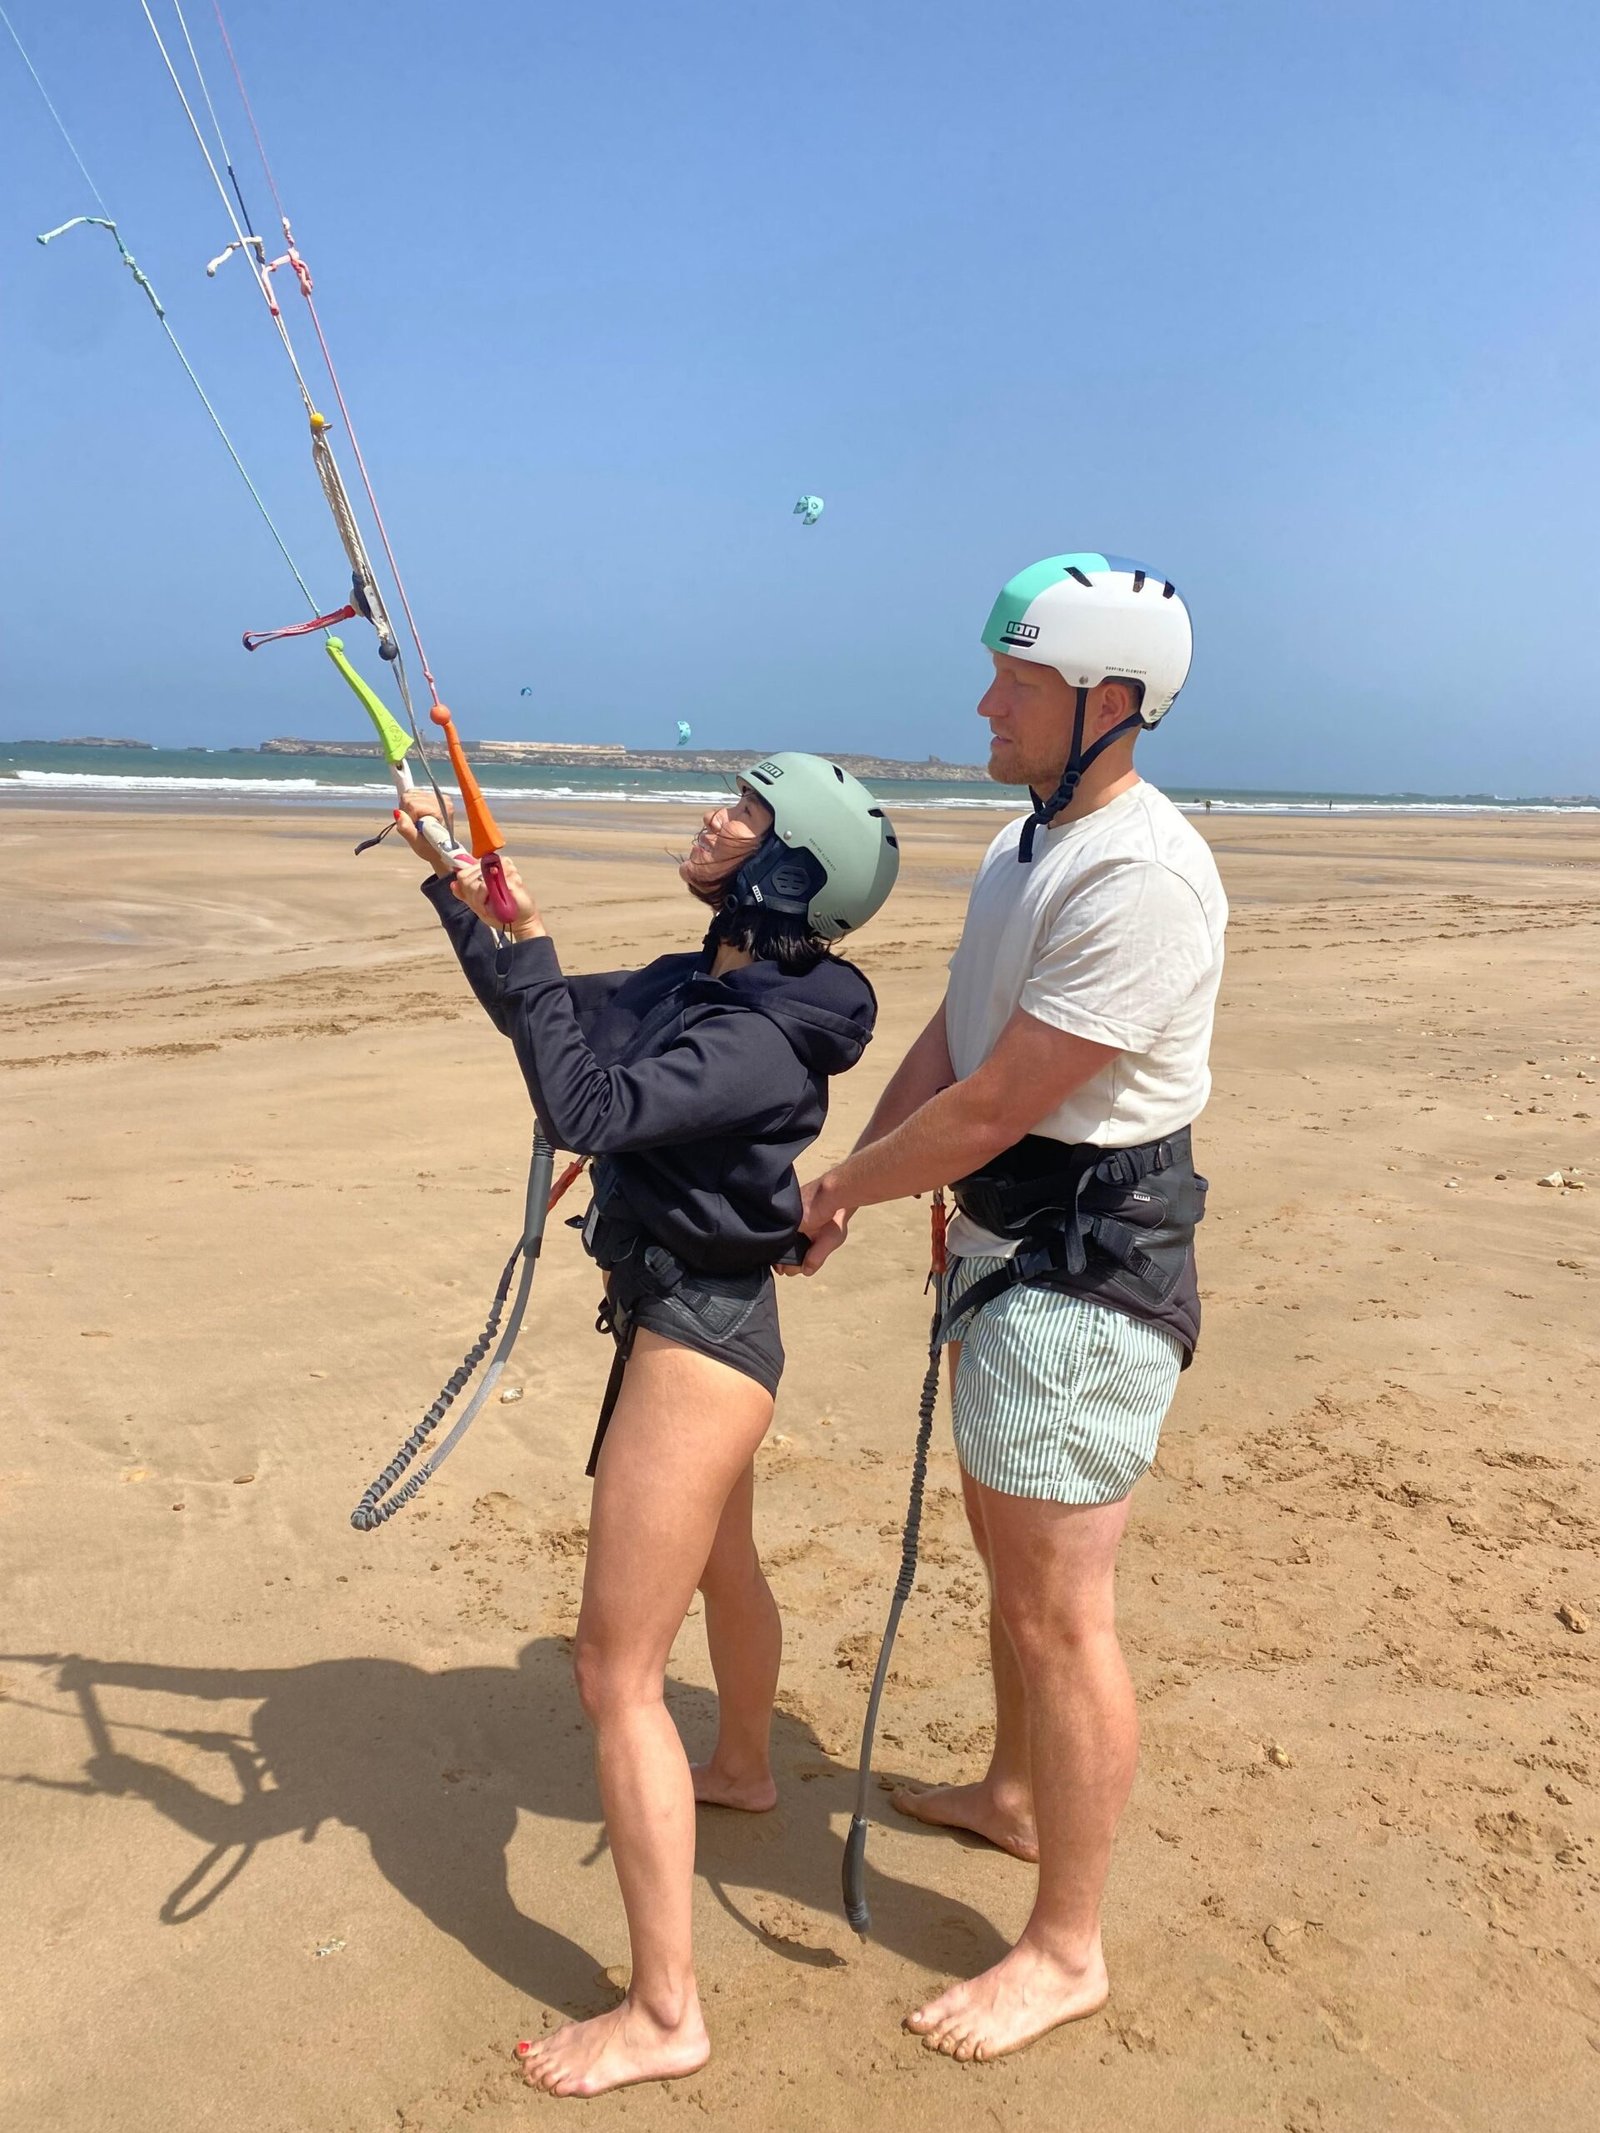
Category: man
[1056,1085]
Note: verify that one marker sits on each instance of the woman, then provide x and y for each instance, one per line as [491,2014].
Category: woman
[695,1083]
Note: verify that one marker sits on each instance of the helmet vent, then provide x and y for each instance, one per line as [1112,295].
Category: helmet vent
[1082,576]
[1168,590]
[1138,581]
[838,773]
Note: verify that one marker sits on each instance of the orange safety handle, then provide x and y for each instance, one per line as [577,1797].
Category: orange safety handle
[485,831]
[568,1177]
[939,1223]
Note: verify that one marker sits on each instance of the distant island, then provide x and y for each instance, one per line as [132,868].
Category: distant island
[602,755]
[83,740]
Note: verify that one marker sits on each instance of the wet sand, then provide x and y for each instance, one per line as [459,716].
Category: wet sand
[300,1828]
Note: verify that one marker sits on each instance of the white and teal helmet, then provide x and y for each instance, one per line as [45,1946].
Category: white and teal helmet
[1097,618]
[1093,618]
[832,855]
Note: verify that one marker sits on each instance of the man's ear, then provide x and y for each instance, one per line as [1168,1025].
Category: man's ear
[1110,705]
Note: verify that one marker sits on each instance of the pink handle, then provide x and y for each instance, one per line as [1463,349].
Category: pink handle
[501,902]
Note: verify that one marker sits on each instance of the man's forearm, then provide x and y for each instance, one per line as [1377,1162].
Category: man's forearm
[953,1132]
[923,1072]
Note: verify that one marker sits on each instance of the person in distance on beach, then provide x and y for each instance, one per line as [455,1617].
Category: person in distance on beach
[1055,1089]
[694,1083]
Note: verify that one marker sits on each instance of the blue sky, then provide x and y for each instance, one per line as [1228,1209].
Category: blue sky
[1296,301]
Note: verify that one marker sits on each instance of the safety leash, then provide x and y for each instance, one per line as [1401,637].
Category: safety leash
[856,1908]
[377,1505]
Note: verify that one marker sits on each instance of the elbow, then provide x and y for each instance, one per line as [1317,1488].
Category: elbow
[991,1125]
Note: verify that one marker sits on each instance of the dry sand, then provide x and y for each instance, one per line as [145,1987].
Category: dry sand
[304,1833]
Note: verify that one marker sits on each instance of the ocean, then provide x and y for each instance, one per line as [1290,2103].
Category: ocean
[190,776]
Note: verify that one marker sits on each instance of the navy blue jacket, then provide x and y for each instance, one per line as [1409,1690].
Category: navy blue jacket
[702,1092]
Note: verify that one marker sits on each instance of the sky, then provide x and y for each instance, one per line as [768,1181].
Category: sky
[1294,302]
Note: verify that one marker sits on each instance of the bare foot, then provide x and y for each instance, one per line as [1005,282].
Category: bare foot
[715,1787]
[623,2045]
[977,1808]
[1026,1994]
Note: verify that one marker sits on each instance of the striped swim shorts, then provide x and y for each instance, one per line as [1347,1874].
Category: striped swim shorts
[1055,1396]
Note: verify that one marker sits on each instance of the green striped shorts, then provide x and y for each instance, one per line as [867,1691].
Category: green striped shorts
[1055,1396]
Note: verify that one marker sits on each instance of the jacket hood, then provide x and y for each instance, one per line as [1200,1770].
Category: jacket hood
[827,1015]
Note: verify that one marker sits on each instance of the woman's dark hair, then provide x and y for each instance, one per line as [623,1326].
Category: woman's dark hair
[771,937]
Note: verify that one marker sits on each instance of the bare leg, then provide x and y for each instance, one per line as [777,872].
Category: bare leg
[744,1634]
[684,1431]
[1000,1806]
[1054,1570]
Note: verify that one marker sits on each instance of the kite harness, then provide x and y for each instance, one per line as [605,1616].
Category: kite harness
[856,1908]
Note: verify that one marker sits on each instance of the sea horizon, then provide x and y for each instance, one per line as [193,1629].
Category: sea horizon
[40,771]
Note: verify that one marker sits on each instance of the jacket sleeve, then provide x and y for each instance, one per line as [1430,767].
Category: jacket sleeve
[474,946]
[485,963]
[727,1073]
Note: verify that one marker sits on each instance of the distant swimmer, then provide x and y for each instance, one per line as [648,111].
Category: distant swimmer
[1055,1088]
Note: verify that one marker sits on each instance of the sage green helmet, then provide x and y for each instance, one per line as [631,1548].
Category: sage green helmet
[832,856]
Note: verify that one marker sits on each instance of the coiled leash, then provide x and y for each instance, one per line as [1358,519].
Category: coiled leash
[855,1849]
[378,1505]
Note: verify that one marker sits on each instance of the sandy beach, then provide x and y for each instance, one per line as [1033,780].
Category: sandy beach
[300,1828]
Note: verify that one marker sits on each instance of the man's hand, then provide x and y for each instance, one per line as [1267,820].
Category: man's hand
[824,1221]
[824,1231]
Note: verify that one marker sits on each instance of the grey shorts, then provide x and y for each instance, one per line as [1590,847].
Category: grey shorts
[733,1318]
[1055,1396]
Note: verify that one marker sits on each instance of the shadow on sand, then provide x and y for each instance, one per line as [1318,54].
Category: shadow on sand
[434,1769]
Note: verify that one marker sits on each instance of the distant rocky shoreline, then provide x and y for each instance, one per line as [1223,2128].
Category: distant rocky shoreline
[85,740]
[607,755]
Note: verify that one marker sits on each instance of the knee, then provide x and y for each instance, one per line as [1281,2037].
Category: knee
[731,1575]
[1047,1638]
[606,1685]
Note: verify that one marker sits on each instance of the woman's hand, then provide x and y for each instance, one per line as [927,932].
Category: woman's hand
[418,807]
[470,888]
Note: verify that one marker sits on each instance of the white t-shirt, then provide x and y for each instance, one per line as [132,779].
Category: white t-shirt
[1113,932]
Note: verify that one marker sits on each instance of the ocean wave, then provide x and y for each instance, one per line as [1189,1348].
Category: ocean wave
[1388,807]
[909,797]
[270,788]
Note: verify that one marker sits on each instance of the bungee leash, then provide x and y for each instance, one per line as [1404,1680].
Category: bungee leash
[854,1874]
[377,1504]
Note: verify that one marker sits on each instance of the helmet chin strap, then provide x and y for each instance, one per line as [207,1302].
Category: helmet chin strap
[1078,761]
